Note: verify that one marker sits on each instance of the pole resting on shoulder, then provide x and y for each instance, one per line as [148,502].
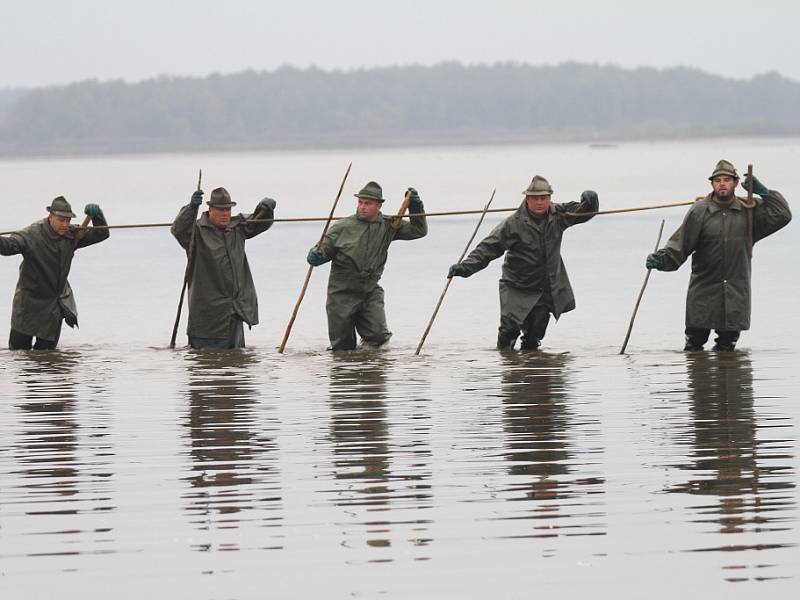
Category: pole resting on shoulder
[81,231]
[398,220]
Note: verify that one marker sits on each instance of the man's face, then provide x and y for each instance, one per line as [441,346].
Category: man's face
[538,205]
[724,185]
[59,224]
[368,209]
[219,217]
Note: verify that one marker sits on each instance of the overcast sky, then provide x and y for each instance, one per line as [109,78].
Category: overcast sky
[59,41]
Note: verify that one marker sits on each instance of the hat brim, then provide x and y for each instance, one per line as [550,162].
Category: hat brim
[61,213]
[225,205]
[718,173]
[370,198]
[534,194]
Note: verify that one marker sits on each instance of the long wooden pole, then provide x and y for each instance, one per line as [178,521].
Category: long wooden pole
[641,293]
[450,279]
[286,333]
[427,214]
[187,273]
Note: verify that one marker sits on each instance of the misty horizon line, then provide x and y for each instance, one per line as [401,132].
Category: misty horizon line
[398,66]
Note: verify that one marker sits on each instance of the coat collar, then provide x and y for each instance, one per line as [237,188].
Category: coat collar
[526,215]
[48,231]
[378,219]
[713,207]
[204,221]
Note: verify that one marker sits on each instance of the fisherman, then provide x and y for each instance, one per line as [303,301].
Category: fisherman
[358,246]
[43,298]
[715,232]
[221,292]
[534,281]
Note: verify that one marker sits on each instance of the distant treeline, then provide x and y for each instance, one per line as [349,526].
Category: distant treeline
[446,103]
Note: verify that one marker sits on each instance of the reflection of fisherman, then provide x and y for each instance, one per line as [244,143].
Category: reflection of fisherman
[227,446]
[534,282]
[715,234]
[358,247]
[359,429]
[44,297]
[728,459]
[536,422]
[369,465]
[221,291]
[48,426]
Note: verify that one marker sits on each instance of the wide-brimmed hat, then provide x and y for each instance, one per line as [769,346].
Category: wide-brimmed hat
[59,206]
[220,198]
[724,168]
[539,187]
[371,191]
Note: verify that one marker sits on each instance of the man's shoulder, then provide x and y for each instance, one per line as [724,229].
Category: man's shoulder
[344,223]
[35,229]
[701,205]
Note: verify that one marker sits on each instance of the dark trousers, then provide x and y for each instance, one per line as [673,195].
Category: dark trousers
[235,338]
[696,337]
[533,329]
[21,341]
[367,317]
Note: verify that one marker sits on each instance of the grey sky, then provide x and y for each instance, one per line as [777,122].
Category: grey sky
[59,41]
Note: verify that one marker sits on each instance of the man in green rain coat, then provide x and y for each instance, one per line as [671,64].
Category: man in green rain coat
[222,295]
[44,298]
[358,246]
[534,282]
[715,232]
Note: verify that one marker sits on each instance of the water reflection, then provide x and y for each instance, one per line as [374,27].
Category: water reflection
[540,430]
[63,453]
[234,452]
[740,460]
[385,483]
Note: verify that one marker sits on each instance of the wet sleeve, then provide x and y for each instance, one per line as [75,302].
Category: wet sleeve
[771,213]
[491,247]
[11,244]
[684,241]
[589,203]
[92,235]
[253,229]
[414,228]
[182,225]
[329,242]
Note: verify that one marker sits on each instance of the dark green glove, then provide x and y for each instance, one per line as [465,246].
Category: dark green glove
[758,187]
[316,257]
[197,198]
[654,261]
[414,202]
[92,210]
[590,200]
[457,270]
[267,205]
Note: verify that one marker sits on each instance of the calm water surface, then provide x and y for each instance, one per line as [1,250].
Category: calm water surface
[131,470]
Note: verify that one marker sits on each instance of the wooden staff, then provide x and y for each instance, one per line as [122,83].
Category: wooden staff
[187,273]
[641,293]
[398,219]
[450,279]
[282,347]
[81,231]
[749,210]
